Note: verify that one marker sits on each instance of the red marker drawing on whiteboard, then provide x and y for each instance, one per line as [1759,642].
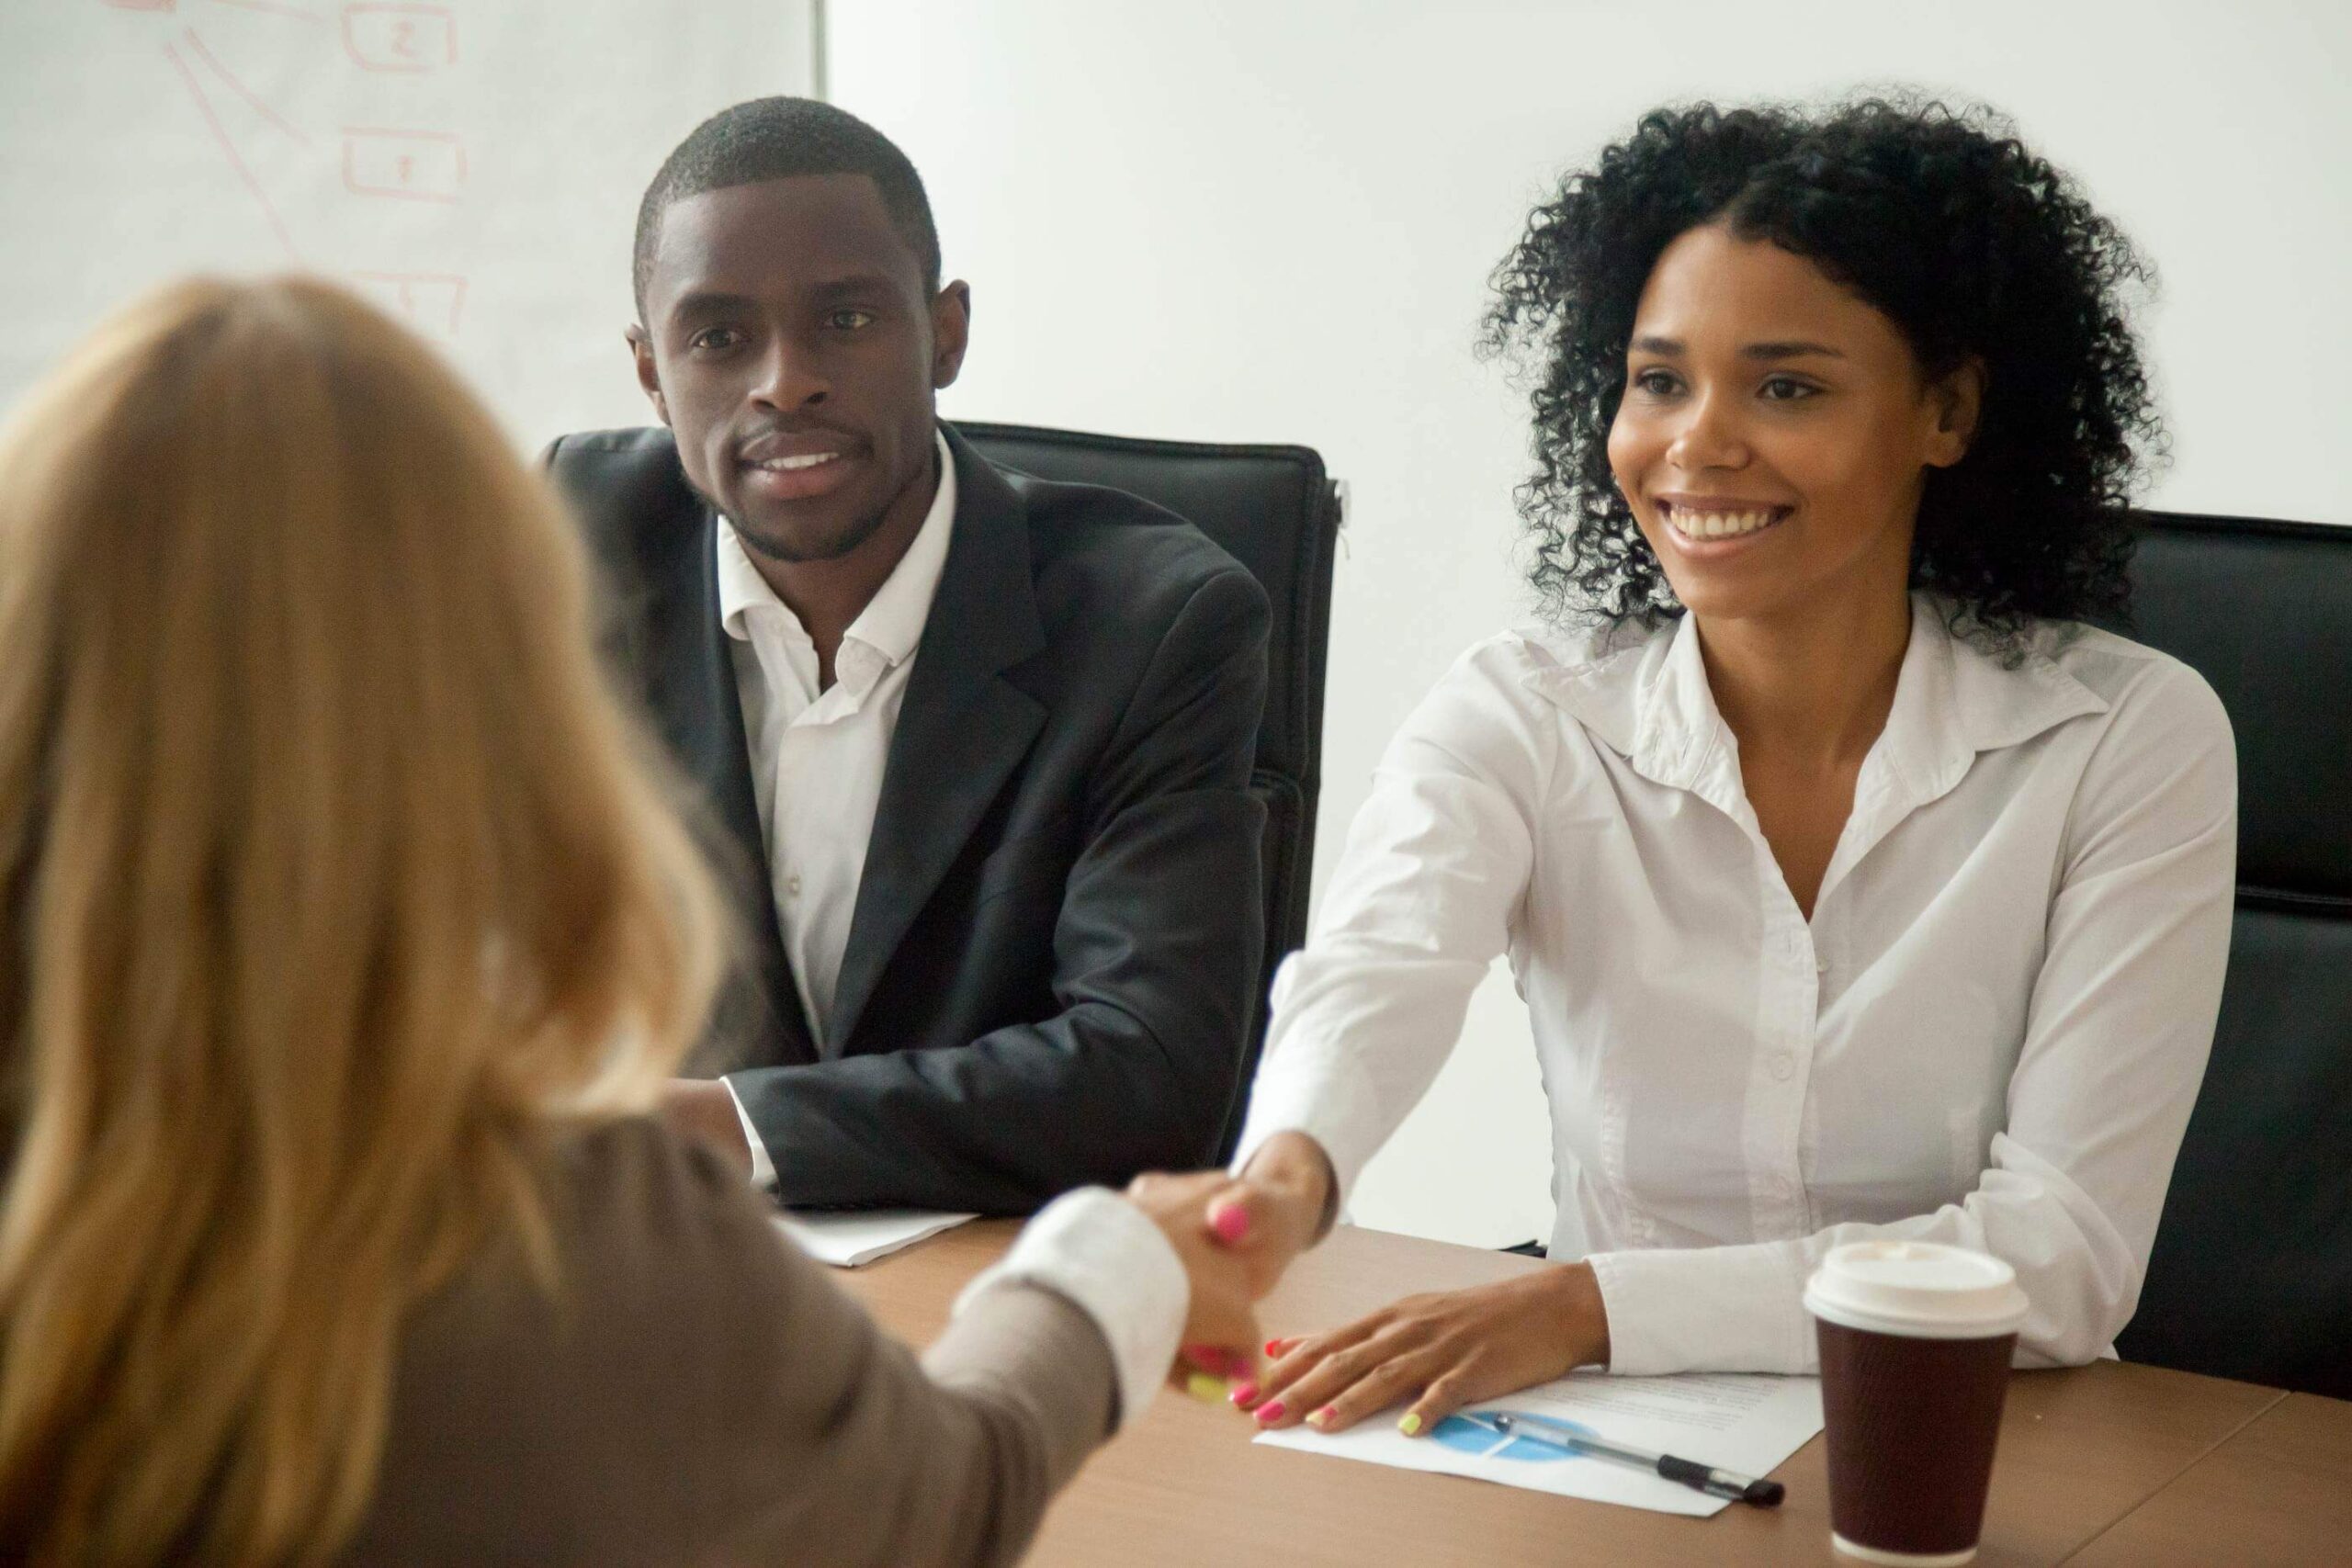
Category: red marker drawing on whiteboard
[433,300]
[252,98]
[228,147]
[404,39]
[412,165]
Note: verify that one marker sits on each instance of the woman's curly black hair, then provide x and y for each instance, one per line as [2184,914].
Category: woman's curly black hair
[1969,242]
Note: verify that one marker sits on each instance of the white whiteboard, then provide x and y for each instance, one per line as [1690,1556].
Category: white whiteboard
[475,165]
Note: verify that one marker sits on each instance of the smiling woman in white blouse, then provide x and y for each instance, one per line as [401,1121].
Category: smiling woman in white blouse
[1853,888]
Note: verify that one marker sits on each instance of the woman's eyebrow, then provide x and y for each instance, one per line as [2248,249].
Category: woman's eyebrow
[1789,351]
[1669,347]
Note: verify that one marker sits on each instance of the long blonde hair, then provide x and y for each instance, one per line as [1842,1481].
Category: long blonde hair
[332,892]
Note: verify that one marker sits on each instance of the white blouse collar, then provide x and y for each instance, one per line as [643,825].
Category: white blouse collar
[1646,696]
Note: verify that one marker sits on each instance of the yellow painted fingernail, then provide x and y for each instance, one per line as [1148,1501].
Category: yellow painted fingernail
[1207,1389]
[1410,1424]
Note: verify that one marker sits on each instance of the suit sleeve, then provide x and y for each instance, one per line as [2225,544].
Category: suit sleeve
[1156,955]
[834,1442]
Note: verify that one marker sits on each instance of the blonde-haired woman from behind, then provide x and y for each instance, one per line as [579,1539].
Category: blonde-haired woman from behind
[344,941]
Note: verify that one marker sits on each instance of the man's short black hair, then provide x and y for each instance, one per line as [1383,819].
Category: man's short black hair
[778,138]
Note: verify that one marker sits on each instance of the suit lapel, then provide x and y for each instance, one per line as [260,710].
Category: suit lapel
[691,692]
[962,729]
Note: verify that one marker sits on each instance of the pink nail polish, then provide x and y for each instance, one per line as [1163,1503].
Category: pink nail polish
[1273,1348]
[1244,1394]
[1231,1224]
[1322,1418]
[1271,1413]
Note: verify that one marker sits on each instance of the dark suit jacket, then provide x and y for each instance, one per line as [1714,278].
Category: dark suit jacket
[1054,953]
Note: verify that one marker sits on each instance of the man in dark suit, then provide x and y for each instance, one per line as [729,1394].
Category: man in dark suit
[975,749]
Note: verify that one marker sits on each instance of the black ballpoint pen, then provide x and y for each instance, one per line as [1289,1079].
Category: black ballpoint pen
[1689,1472]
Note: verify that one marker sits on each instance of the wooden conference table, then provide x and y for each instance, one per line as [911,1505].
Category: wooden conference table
[2111,1464]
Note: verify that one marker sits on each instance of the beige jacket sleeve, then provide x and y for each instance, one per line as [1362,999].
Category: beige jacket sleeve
[699,1392]
[869,1456]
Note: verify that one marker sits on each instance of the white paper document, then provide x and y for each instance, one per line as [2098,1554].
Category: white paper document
[1738,1423]
[860,1236]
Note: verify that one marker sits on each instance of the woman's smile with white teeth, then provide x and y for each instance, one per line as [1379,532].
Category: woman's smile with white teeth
[1726,524]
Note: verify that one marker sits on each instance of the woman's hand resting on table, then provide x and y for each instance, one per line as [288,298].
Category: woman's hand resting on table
[1436,1353]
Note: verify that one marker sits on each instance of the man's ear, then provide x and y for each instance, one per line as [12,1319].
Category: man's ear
[649,378]
[1958,403]
[951,333]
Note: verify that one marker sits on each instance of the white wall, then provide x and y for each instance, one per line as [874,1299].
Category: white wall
[473,164]
[1270,219]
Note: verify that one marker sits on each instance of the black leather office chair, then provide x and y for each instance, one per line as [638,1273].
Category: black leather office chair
[2252,1273]
[1273,509]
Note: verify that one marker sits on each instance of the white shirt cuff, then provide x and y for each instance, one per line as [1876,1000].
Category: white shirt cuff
[1333,1106]
[762,1167]
[1106,1258]
[1718,1309]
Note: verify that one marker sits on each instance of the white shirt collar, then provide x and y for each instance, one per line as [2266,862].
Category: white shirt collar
[1647,697]
[892,622]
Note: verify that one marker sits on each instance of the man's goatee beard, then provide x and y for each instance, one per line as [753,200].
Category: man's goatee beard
[865,529]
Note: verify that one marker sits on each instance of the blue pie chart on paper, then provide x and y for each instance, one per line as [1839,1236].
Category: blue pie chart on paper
[1464,1436]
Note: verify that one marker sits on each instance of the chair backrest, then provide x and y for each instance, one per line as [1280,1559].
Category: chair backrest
[1273,509]
[2252,1273]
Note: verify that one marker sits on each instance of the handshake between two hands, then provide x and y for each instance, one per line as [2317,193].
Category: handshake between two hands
[1434,1353]
[1235,1235]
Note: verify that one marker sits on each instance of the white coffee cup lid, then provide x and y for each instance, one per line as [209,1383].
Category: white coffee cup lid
[1917,1288]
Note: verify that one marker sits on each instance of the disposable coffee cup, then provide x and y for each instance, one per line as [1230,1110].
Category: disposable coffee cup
[1915,1340]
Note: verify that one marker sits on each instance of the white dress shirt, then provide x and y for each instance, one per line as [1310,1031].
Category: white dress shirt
[817,756]
[816,764]
[1990,1033]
